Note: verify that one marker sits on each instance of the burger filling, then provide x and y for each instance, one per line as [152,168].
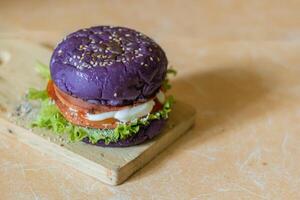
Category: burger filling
[63,113]
[90,115]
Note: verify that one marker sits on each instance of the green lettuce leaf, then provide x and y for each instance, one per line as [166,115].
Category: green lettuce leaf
[50,118]
[166,83]
[43,70]
[34,94]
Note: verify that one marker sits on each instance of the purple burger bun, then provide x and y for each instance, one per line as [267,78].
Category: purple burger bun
[145,133]
[109,65]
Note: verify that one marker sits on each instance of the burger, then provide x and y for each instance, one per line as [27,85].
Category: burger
[106,86]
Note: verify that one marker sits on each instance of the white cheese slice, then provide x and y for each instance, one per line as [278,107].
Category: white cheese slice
[128,114]
[134,112]
[100,116]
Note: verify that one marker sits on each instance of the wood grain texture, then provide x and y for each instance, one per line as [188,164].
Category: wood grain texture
[110,165]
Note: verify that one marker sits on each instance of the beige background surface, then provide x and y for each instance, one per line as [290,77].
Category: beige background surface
[238,64]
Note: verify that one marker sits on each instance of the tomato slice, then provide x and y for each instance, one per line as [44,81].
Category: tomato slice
[79,104]
[77,118]
[75,109]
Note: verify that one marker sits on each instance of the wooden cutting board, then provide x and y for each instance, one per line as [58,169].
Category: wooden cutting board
[110,165]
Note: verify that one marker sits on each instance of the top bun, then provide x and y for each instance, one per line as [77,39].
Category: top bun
[108,65]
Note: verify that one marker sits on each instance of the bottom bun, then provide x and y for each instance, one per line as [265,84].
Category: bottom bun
[145,133]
